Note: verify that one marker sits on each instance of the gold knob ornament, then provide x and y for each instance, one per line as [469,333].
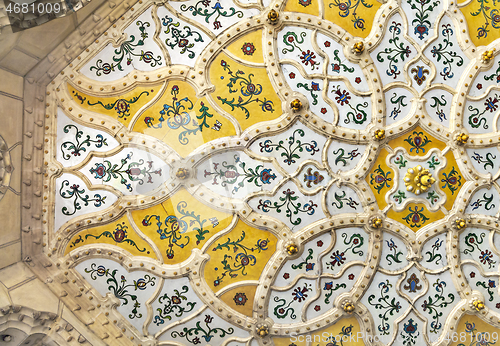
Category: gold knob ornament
[460,224]
[487,56]
[273,16]
[418,180]
[292,249]
[462,138]
[296,104]
[359,47]
[379,134]
[376,222]
[262,331]
[349,308]
[478,305]
[182,173]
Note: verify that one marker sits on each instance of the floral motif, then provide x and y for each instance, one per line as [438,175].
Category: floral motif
[292,42]
[248,48]
[299,294]
[314,87]
[438,104]
[419,74]
[433,162]
[433,305]
[452,180]
[400,161]
[282,309]
[330,289]
[75,192]
[240,298]
[433,197]
[338,259]
[237,174]
[308,58]
[120,287]
[341,199]
[342,96]
[396,52]
[433,255]
[488,161]
[416,217]
[242,260]
[477,119]
[173,305]
[386,304]
[489,286]
[289,201]
[295,146]
[357,113]
[443,54]
[472,241]
[75,147]
[347,6]
[119,235]
[380,179]
[343,157]
[121,106]
[306,264]
[338,66]
[180,39]
[399,197]
[410,333]
[206,331]
[486,200]
[203,9]
[125,171]
[417,141]
[493,77]
[312,178]
[398,102]
[178,117]
[352,244]
[422,10]
[394,255]
[127,50]
[248,90]
[176,227]
[413,285]
[490,18]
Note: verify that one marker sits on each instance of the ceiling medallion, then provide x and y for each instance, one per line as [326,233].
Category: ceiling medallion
[233,173]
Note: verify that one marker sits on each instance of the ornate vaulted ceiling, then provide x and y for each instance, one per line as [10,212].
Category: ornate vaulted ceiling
[292,173]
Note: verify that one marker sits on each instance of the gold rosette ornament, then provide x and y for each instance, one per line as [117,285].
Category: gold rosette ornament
[296,104]
[182,173]
[262,331]
[273,16]
[418,180]
[487,56]
[478,305]
[292,249]
[379,134]
[349,307]
[460,224]
[462,138]
[358,47]
[376,222]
